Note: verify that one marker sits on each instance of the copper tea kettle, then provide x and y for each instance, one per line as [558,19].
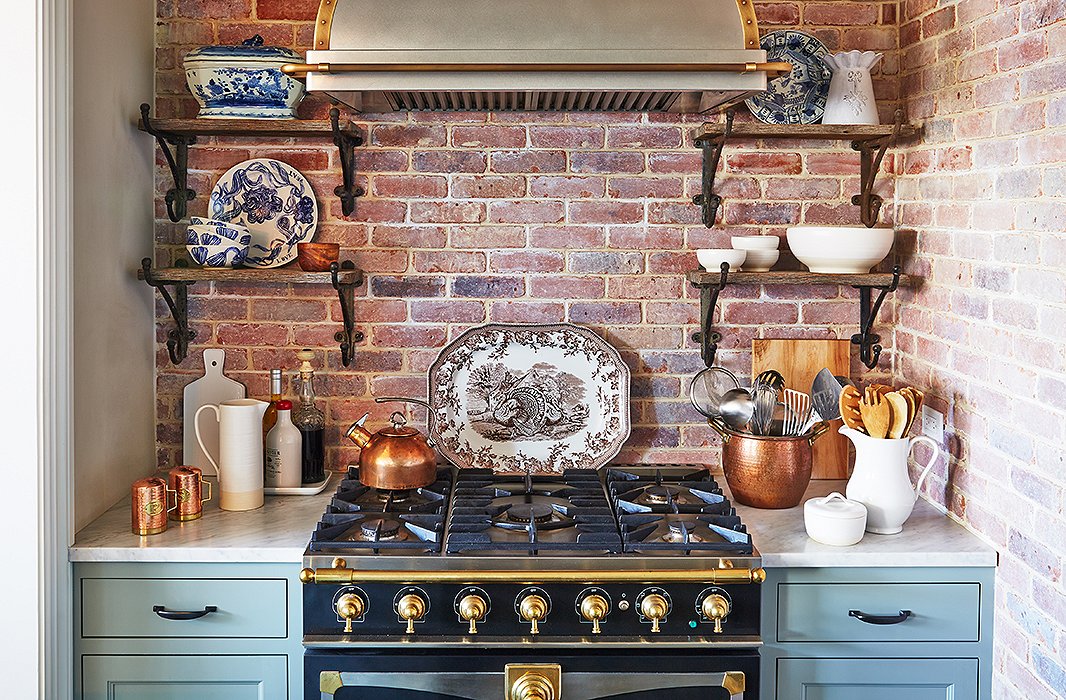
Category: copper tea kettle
[394,458]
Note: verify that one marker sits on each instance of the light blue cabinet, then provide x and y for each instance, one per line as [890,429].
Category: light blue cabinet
[165,631]
[816,645]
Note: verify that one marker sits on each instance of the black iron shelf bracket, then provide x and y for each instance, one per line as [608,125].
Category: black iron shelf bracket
[180,195]
[871,153]
[346,141]
[712,147]
[178,338]
[869,342]
[349,337]
[707,338]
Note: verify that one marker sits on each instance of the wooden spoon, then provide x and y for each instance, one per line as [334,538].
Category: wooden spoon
[900,414]
[880,389]
[850,399]
[876,414]
[919,399]
[909,397]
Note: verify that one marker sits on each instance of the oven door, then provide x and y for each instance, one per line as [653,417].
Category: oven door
[640,675]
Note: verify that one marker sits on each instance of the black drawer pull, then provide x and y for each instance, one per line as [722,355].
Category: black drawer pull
[162,612]
[880,619]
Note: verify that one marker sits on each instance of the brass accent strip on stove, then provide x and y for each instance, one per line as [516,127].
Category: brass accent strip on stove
[710,576]
[324,23]
[301,70]
[329,682]
[751,24]
[734,683]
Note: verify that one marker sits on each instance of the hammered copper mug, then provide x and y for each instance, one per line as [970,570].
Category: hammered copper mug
[188,486]
[767,471]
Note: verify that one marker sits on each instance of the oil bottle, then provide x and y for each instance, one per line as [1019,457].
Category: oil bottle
[311,423]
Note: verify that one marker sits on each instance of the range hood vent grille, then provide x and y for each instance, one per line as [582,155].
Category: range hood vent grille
[533,101]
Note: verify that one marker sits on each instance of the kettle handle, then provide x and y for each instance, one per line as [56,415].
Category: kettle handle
[932,460]
[432,426]
[200,439]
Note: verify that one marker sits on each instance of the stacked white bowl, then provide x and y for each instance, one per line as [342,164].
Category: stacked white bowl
[761,251]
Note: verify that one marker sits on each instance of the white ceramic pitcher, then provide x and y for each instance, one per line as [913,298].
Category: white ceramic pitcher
[240,452]
[881,481]
[851,90]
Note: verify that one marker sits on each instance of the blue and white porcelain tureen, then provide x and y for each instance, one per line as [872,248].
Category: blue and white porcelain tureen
[244,82]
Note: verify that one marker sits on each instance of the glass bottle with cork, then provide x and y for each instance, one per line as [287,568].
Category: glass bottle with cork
[270,418]
[311,423]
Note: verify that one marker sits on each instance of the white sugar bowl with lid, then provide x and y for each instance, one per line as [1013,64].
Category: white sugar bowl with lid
[834,520]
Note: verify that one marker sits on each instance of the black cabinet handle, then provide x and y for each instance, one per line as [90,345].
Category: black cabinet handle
[162,612]
[880,619]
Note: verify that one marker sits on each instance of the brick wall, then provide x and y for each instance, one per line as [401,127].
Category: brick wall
[981,204]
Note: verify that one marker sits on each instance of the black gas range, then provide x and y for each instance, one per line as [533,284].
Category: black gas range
[553,579]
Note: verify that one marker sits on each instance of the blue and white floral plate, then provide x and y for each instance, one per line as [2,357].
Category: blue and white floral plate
[797,97]
[274,201]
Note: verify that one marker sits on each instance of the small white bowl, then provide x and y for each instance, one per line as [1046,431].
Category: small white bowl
[760,260]
[711,259]
[834,520]
[840,249]
[755,242]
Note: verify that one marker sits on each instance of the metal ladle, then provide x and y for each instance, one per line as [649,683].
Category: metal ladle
[736,409]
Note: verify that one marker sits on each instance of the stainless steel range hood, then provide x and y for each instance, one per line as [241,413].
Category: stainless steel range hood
[586,55]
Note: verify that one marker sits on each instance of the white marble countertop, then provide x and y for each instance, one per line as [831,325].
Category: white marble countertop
[278,533]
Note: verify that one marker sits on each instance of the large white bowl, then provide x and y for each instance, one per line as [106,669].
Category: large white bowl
[755,242]
[840,249]
[711,259]
[760,260]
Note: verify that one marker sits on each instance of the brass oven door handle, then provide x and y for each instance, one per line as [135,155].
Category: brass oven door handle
[162,612]
[880,619]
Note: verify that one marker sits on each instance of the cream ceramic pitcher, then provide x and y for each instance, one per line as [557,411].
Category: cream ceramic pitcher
[881,481]
[240,452]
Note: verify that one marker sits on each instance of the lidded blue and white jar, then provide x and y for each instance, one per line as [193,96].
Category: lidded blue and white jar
[244,82]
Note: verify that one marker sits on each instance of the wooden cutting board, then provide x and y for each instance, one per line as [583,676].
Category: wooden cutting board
[799,361]
[214,387]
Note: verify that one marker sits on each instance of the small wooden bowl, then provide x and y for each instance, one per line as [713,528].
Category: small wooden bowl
[316,257]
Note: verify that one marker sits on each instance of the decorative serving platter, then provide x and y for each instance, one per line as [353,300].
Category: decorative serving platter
[798,97]
[275,201]
[529,398]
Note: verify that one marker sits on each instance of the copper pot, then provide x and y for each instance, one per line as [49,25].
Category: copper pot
[765,471]
[394,458]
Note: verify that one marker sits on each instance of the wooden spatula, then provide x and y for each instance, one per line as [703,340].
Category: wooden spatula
[876,414]
[919,398]
[912,404]
[900,414]
[850,399]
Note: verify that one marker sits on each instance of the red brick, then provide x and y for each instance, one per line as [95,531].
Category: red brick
[288,310]
[215,9]
[488,237]
[377,310]
[379,211]
[484,287]
[1022,52]
[488,186]
[449,162]
[526,212]
[408,336]
[646,238]
[448,212]
[606,212]
[660,212]
[607,162]
[488,136]
[566,187]
[838,13]
[767,163]
[529,162]
[449,261]
[760,213]
[760,312]
[286,9]
[562,287]
[643,137]
[644,287]
[402,287]
[778,13]
[250,334]
[527,261]
[802,188]
[526,312]
[842,163]
[604,263]
[409,236]
[566,136]
[273,34]
[688,162]
[605,313]
[939,21]
[646,187]
[410,186]
[451,311]
[408,135]
[673,312]
[582,237]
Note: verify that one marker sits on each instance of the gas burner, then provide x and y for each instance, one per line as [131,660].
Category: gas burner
[685,531]
[355,497]
[659,494]
[529,513]
[673,534]
[666,490]
[379,530]
[539,515]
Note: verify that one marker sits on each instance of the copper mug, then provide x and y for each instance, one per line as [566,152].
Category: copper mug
[148,504]
[188,486]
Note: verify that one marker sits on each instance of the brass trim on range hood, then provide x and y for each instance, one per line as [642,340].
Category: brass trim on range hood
[301,70]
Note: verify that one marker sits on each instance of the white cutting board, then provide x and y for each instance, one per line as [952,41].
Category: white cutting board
[214,387]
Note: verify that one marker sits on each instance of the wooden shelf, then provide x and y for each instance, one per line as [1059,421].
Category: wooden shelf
[281,275]
[775,277]
[244,127]
[829,132]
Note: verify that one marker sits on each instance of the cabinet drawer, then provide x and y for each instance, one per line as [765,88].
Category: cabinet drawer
[877,679]
[184,677]
[123,607]
[819,612]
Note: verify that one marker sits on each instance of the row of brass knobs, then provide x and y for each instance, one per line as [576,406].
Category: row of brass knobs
[532,609]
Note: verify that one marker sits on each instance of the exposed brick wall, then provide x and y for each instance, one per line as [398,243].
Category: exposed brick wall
[515,217]
[981,205]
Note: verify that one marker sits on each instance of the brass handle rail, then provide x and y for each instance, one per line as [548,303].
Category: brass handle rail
[302,69]
[343,575]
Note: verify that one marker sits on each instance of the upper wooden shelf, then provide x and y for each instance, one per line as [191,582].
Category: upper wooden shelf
[284,275]
[244,127]
[846,132]
[873,279]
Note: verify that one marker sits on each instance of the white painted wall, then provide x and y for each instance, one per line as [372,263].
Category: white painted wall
[114,385]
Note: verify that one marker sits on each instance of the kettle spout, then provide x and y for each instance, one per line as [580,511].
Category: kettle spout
[358,434]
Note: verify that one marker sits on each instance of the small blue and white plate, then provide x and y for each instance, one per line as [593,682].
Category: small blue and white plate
[799,96]
[275,201]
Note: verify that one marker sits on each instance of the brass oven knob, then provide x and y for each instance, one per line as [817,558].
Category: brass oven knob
[654,607]
[532,686]
[473,609]
[715,607]
[411,607]
[350,607]
[533,608]
[594,608]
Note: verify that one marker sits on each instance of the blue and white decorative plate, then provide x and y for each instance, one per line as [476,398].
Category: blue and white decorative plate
[274,201]
[799,96]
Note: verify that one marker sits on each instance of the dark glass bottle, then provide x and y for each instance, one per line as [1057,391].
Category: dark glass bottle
[311,422]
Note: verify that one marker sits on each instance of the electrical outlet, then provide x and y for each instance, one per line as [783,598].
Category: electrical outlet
[933,424]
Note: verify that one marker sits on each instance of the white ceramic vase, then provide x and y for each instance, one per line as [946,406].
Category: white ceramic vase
[851,91]
[240,452]
[881,481]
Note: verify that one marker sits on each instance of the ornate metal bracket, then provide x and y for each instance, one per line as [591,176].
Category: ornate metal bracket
[178,197]
[870,343]
[712,147]
[346,141]
[707,338]
[349,337]
[178,338]
[871,153]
